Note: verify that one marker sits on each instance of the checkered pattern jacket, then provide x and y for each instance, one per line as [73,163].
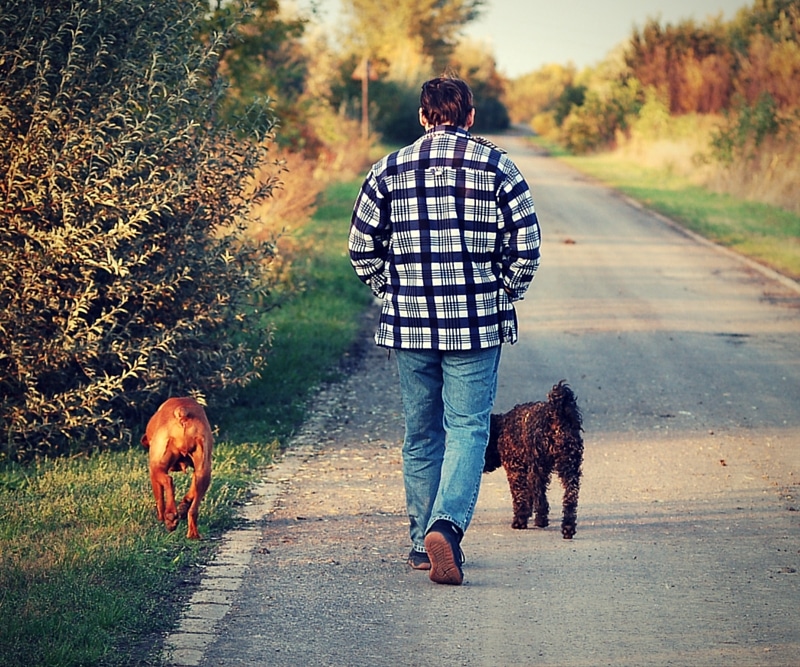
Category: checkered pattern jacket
[445,232]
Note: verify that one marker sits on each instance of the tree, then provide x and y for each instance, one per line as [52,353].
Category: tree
[124,273]
[263,65]
[477,66]
[537,91]
[690,65]
[395,30]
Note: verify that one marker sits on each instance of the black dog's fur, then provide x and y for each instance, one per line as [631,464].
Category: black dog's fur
[530,442]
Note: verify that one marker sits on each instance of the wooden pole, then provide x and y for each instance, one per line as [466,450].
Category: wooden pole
[365,101]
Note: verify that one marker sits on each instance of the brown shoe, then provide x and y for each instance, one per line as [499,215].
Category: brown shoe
[442,545]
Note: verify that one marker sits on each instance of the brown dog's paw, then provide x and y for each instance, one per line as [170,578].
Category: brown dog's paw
[519,524]
[171,521]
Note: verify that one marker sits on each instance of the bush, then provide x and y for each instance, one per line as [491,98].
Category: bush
[745,128]
[544,124]
[125,272]
[394,111]
[596,122]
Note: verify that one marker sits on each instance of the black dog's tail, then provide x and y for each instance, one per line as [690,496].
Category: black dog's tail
[565,401]
[492,460]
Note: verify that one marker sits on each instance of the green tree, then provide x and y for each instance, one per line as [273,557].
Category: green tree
[571,96]
[595,122]
[264,67]
[766,17]
[124,273]
[408,41]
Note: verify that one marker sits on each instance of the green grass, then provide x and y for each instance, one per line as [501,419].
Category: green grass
[764,233]
[87,575]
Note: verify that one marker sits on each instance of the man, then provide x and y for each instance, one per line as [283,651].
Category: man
[445,233]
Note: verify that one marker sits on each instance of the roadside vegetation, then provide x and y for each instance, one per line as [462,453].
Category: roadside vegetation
[87,574]
[174,203]
[717,100]
[701,121]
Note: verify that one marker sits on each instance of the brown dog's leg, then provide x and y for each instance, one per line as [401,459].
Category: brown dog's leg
[171,517]
[192,533]
[192,501]
[201,480]
[158,493]
[165,498]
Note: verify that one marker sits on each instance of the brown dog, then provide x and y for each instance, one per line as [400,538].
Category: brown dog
[179,435]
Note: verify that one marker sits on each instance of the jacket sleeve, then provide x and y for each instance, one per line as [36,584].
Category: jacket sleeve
[368,241]
[521,236]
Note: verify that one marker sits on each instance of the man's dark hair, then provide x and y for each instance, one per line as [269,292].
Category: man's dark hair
[446,100]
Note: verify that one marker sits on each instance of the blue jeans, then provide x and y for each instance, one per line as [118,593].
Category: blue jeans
[447,399]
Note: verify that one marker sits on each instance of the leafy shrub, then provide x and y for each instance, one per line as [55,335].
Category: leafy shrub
[745,128]
[571,97]
[544,124]
[394,111]
[124,272]
[596,122]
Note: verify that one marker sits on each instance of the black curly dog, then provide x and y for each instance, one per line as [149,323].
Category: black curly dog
[530,442]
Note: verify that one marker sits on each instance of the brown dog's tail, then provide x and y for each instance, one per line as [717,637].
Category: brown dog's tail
[565,402]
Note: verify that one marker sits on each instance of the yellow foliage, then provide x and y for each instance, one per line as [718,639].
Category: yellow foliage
[536,92]
[544,124]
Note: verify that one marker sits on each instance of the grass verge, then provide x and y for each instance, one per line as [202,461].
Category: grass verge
[766,234]
[86,572]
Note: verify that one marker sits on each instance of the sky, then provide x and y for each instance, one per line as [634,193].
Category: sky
[524,35]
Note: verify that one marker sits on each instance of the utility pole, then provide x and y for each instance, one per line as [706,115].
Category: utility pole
[364,72]
[365,101]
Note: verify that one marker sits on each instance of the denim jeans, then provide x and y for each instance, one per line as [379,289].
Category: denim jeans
[447,400]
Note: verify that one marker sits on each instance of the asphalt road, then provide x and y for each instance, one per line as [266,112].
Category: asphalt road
[686,362]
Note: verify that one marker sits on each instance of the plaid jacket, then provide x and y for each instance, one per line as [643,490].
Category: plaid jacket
[445,232]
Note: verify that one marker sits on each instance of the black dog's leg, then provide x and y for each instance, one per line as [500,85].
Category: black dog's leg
[519,484]
[541,508]
[570,476]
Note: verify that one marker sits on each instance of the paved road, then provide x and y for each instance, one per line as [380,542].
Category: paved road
[686,362]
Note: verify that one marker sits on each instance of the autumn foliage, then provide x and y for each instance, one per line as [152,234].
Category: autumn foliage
[704,68]
[743,74]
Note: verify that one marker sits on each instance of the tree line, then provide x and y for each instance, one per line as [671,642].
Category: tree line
[746,69]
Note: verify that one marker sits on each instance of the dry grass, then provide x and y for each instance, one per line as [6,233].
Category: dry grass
[770,176]
[281,218]
[682,147]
